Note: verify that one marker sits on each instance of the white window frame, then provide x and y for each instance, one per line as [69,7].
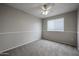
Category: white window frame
[55,25]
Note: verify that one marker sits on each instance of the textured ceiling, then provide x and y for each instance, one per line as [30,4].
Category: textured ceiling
[34,8]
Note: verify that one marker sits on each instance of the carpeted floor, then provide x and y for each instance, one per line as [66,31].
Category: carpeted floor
[44,48]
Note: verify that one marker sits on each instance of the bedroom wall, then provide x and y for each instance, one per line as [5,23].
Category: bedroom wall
[78,28]
[70,28]
[17,28]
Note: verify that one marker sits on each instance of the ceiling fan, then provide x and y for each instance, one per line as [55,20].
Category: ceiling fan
[45,9]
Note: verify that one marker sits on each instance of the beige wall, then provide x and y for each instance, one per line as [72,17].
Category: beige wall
[69,34]
[78,29]
[17,28]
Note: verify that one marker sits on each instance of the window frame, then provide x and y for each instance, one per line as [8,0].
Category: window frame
[57,30]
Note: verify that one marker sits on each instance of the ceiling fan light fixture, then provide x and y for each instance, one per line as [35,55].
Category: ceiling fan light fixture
[44,12]
[46,8]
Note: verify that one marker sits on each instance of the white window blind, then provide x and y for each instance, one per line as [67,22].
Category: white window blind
[55,24]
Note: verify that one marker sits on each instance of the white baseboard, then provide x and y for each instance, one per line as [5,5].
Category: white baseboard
[17,46]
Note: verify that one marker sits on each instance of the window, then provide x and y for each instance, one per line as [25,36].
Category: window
[55,24]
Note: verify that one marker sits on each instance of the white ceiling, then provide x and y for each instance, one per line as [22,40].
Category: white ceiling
[34,8]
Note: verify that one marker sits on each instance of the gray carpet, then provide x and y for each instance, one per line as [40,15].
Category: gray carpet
[44,48]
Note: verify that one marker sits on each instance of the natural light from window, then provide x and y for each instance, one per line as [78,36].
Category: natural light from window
[55,24]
